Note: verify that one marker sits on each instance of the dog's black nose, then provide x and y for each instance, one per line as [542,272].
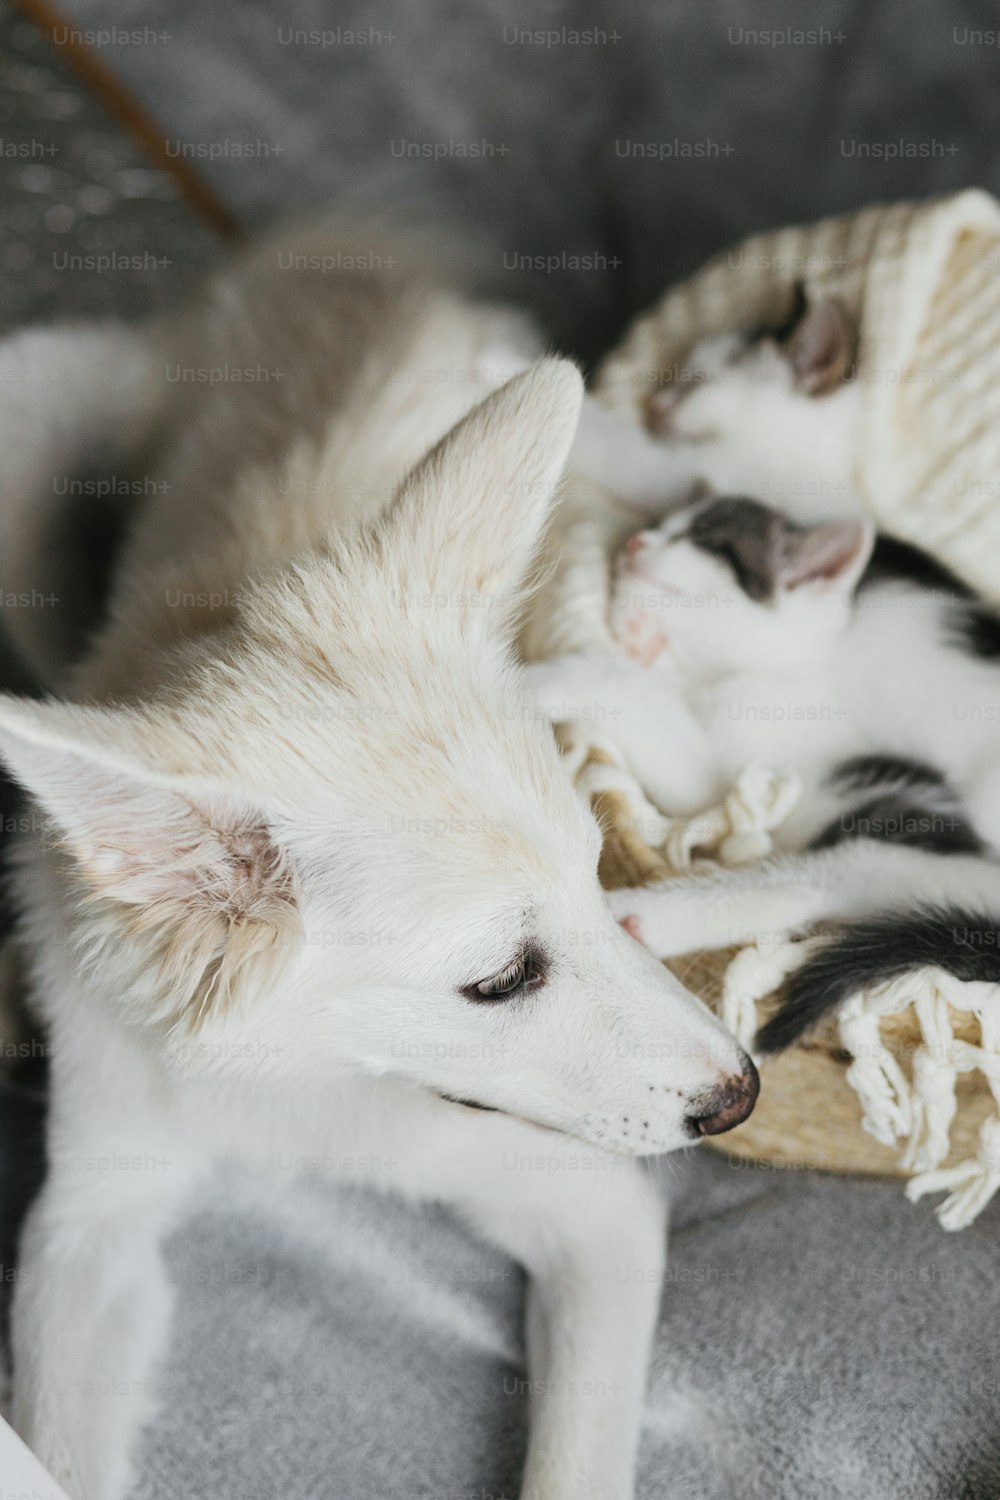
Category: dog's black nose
[727,1105]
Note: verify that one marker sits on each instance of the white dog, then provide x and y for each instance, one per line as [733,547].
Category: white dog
[315,881]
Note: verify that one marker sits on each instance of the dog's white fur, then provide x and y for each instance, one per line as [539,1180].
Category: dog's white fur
[297,803]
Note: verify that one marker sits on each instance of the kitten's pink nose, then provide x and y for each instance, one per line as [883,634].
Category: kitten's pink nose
[636,543]
[660,412]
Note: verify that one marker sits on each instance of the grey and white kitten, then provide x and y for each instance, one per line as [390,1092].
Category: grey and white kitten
[857,662]
[772,412]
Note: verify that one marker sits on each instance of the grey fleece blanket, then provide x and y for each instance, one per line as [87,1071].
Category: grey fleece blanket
[819,1336]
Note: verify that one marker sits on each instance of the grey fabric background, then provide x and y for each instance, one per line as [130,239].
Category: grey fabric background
[779,126]
[819,1337]
[75,187]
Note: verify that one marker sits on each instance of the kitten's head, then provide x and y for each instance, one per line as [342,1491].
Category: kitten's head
[741,376]
[727,583]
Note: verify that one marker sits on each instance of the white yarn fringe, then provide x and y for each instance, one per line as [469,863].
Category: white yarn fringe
[918,1110]
[755,972]
[736,831]
[921,1109]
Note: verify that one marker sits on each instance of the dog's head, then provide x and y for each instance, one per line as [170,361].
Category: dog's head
[341,837]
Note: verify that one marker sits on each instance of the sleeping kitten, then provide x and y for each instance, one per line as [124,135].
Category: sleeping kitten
[772,411]
[854,660]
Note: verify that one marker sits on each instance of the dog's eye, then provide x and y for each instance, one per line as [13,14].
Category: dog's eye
[525,973]
[505,982]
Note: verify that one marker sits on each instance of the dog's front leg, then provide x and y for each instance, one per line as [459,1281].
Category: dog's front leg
[592,1307]
[91,1314]
[590,1231]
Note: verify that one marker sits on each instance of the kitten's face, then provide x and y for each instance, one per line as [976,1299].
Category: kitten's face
[727,584]
[734,378]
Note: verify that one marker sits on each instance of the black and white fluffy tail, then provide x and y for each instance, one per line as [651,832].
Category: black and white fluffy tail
[870,951]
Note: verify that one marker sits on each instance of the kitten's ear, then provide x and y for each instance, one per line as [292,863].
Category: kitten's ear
[819,347]
[827,558]
[700,490]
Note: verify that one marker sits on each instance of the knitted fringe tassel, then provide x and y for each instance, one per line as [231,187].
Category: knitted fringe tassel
[920,1109]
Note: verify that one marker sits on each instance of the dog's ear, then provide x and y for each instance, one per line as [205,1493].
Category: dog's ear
[469,517]
[171,848]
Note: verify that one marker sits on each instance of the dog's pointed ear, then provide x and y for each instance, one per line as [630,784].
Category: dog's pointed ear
[469,518]
[138,836]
